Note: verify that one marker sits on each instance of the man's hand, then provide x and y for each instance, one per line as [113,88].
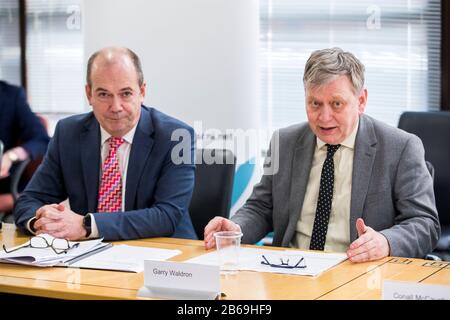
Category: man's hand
[20,155]
[215,225]
[59,222]
[6,165]
[369,246]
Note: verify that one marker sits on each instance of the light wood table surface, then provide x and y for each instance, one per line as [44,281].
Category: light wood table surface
[345,281]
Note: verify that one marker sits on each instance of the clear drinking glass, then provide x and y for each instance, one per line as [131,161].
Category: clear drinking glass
[228,245]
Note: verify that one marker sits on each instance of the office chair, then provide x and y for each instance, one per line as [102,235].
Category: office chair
[1,155]
[213,187]
[9,199]
[17,176]
[1,152]
[22,172]
[433,128]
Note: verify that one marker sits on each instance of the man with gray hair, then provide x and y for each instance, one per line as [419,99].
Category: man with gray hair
[346,182]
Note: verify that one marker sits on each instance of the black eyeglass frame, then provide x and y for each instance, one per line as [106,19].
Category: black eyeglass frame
[48,245]
[284,264]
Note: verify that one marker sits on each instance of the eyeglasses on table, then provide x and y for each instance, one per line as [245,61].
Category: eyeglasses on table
[59,246]
[284,263]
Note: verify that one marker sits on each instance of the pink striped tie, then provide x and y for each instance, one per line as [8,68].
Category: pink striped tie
[110,194]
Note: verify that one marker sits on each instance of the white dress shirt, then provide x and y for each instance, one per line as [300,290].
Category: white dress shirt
[123,153]
[338,234]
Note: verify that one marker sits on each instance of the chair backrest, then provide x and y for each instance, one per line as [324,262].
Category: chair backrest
[1,152]
[17,177]
[433,128]
[213,188]
[24,170]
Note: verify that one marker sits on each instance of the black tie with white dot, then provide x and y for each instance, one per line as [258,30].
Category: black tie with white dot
[323,210]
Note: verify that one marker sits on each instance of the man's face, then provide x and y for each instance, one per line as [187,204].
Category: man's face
[115,96]
[333,109]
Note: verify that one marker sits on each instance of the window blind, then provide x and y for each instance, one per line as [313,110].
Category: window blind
[10,42]
[398,41]
[55,70]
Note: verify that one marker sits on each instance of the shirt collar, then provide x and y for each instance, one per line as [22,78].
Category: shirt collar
[128,137]
[348,142]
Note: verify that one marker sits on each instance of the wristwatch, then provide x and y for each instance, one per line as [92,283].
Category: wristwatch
[87,224]
[32,221]
[12,156]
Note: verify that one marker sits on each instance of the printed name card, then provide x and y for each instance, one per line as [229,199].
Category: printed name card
[175,280]
[395,290]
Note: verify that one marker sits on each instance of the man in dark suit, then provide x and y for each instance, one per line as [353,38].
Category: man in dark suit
[22,133]
[342,182]
[116,165]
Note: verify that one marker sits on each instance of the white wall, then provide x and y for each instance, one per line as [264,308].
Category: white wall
[199,56]
[200,61]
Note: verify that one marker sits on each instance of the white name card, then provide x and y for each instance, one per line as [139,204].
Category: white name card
[175,280]
[396,290]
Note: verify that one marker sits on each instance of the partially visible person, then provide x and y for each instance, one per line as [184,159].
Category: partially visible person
[346,182]
[119,165]
[22,133]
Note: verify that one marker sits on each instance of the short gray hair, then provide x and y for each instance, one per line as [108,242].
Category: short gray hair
[130,53]
[323,65]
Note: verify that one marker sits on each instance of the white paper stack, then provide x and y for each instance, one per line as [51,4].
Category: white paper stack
[250,259]
[47,257]
[91,254]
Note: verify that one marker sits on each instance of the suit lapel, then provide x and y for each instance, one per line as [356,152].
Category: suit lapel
[301,166]
[90,161]
[364,156]
[139,154]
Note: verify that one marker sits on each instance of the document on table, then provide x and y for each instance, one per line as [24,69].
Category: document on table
[250,259]
[47,257]
[92,254]
[125,258]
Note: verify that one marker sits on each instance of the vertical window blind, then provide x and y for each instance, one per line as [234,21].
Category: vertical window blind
[10,42]
[55,70]
[398,41]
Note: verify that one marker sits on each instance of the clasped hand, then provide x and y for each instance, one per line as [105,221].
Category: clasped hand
[59,222]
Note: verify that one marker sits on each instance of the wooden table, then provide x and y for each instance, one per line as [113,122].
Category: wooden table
[345,281]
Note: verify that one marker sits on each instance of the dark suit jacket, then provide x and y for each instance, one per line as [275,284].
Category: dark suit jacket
[18,122]
[392,189]
[158,191]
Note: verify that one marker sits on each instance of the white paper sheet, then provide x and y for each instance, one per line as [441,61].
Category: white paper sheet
[125,258]
[250,260]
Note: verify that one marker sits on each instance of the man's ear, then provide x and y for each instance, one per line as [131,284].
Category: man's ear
[88,91]
[362,101]
[143,90]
